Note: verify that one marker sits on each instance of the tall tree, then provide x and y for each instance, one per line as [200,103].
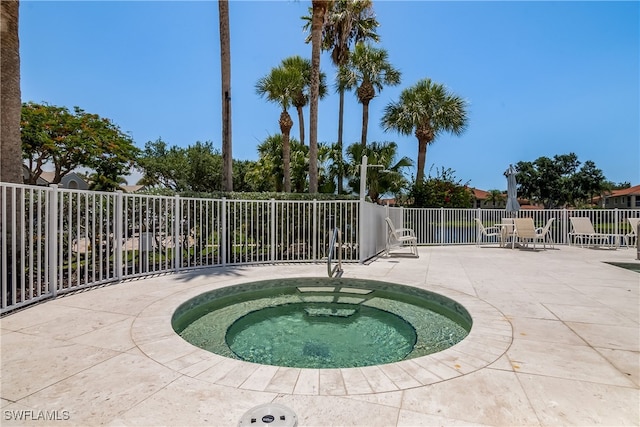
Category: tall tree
[279,87]
[225,63]
[10,149]
[319,9]
[10,107]
[301,94]
[69,140]
[162,166]
[367,70]
[347,22]
[426,109]
[556,182]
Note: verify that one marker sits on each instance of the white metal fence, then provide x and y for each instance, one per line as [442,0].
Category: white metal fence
[57,240]
[442,226]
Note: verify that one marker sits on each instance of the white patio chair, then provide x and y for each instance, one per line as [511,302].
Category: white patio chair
[525,231]
[401,237]
[631,236]
[582,230]
[487,232]
[544,233]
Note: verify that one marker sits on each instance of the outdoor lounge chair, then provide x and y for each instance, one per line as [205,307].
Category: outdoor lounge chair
[582,230]
[401,237]
[525,231]
[630,237]
[544,233]
[486,232]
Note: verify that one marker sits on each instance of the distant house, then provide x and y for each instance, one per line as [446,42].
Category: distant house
[71,180]
[481,200]
[627,198]
[133,188]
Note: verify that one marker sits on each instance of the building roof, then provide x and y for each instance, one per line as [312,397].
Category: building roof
[480,194]
[635,190]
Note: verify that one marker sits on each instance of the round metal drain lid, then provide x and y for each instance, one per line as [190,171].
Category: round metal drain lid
[269,414]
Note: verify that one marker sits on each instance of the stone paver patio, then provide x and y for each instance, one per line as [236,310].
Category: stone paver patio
[555,341]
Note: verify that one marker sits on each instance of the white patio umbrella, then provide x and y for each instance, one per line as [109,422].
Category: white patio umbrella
[512,192]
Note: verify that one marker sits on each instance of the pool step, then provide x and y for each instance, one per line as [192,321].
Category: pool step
[329,312]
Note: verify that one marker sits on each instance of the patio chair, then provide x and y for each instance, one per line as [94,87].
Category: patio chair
[544,233]
[401,237]
[631,236]
[525,231]
[582,230]
[486,232]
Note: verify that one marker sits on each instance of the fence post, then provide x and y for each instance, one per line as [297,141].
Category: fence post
[565,228]
[476,231]
[177,226]
[272,234]
[119,234]
[53,241]
[638,241]
[616,225]
[441,221]
[315,230]
[223,237]
[361,230]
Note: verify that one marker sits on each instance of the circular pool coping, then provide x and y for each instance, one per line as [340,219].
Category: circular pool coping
[488,340]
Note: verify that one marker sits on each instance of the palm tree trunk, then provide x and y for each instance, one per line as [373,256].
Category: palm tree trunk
[340,131]
[319,8]
[10,144]
[225,62]
[285,128]
[365,122]
[11,106]
[286,165]
[301,123]
[422,158]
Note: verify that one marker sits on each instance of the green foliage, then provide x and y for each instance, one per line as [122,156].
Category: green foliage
[497,198]
[69,140]
[196,168]
[442,190]
[560,181]
[426,110]
[385,174]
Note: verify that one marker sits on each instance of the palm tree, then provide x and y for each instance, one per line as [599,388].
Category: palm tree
[225,63]
[496,197]
[11,106]
[301,94]
[426,109]
[11,147]
[367,70]
[279,86]
[268,174]
[319,9]
[389,178]
[348,21]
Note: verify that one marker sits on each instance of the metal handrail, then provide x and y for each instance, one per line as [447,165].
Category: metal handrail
[337,270]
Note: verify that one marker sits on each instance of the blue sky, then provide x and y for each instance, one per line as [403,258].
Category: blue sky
[541,78]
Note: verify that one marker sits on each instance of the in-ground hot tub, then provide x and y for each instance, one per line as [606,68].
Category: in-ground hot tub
[322,322]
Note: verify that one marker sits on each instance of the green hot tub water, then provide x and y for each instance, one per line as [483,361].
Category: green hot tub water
[322,323]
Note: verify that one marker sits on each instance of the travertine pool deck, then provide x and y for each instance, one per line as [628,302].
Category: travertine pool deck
[555,341]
